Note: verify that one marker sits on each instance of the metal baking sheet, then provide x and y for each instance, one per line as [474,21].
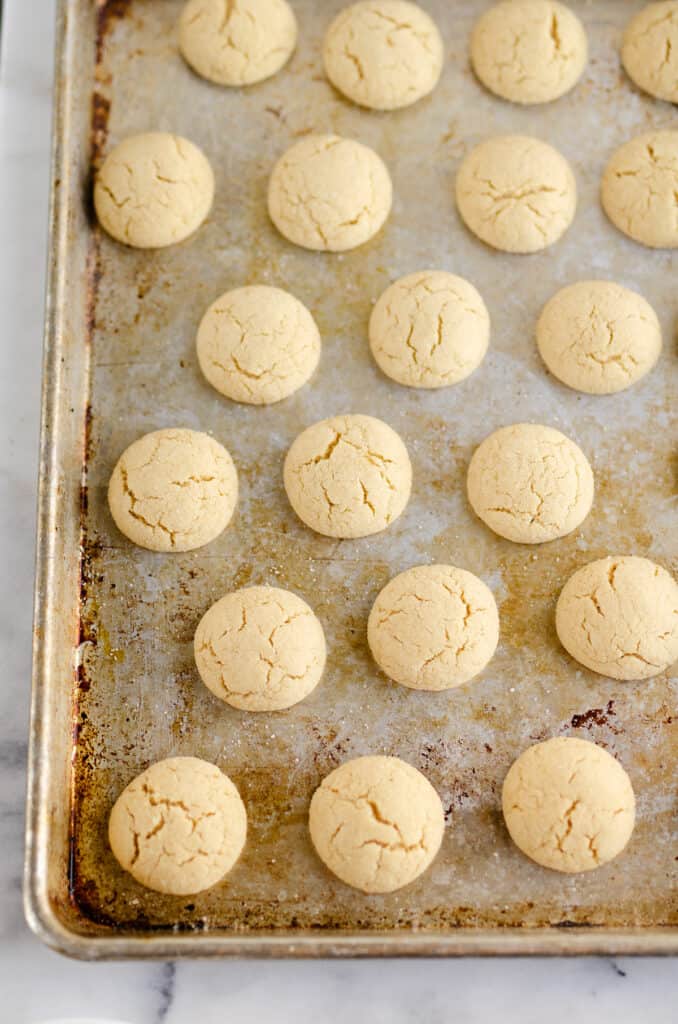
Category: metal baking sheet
[115,687]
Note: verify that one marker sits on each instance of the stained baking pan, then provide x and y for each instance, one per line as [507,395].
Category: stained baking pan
[115,687]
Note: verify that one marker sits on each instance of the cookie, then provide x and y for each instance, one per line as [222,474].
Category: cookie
[376,823]
[429,330]
[598,337]
[179,827]
[237,43]
[173,490]
[619,616]
[529,51]
[433,627]
[329,193]
[258,344]
[383,54]
[260,649]
[516,193]
[349,476]
[568,805]
[639,189]
[530,483]
[650,50]
[153,190]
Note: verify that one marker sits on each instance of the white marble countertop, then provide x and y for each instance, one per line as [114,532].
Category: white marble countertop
[36,984]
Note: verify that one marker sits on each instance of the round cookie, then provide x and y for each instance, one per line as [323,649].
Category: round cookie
[529,51]
[329,193]
[349,476]
[429,330]
[433,627]
[153,190]
[258,344]
[516,193]
[650,50]
[568,805]
[260,649]
[530,483]
[179,827]
[619,616]
[173,490]
[598,337]
[376,823]
[237,43]
[383,54]
[639,189]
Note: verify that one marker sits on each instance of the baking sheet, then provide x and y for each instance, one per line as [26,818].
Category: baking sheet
[115,684]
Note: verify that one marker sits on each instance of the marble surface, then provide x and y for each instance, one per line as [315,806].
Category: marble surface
[37,984]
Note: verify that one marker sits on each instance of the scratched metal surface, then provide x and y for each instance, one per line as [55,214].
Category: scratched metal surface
[137,694]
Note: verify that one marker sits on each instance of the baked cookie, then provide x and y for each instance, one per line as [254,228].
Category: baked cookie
[516,193]
[258,344]
[179,827]
[619,616]
[329,193]
[568,805]
[376,823]
[530,483]
[173,490]
[639,189]
[349,476]
[429,330]
[433,627]
[153,190]
[650,50]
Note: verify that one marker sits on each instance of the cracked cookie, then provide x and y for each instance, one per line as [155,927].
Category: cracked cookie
[598,337]
[260,649]
[433,627]
[383,54]
[329,193]
[349,476]
[429,330]
[516,193]
[530,483]
[619,616]
[649,50]
[258,344]
[376,823]
[568,805]
[173,490]
[529,51]
[639,191]
[153,190]
[237,42]
[179,827]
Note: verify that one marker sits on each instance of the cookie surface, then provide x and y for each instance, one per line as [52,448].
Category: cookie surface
[433,627]
[383,54]
[260,649]
[237,43]
[598,337]
[529,51]
[173,490]
[329,193]
[179,827]
[568,805]
[530,483]
[429,330]
[619,616]
[650,50]
[153,190]
[516,193]
[376,823]
[258,344]
[348,476]
[639,189]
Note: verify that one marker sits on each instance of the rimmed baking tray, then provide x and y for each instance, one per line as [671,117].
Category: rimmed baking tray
[114,684]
